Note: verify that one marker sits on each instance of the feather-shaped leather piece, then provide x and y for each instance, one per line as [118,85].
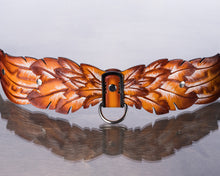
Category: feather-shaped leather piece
[162,78]
[205,81]
[17,78]
[63,85]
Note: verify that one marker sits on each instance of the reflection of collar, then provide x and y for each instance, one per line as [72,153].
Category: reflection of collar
[74,143]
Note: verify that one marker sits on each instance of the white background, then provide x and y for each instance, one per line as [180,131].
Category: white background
[106,34]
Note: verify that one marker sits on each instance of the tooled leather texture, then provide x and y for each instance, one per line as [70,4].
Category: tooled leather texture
[67,86]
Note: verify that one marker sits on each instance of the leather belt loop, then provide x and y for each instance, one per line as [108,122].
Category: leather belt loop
[112,89]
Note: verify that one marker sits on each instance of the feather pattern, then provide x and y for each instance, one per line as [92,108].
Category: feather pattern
[65,86]
[160,84]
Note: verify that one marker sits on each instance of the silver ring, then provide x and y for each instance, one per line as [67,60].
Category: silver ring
[112,121]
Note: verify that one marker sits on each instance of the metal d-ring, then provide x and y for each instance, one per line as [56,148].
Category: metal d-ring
[112,121]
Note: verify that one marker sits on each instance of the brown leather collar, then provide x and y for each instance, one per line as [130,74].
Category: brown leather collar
[65,86]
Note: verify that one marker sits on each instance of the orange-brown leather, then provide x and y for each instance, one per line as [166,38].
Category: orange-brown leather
[112,98]
[68,86]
